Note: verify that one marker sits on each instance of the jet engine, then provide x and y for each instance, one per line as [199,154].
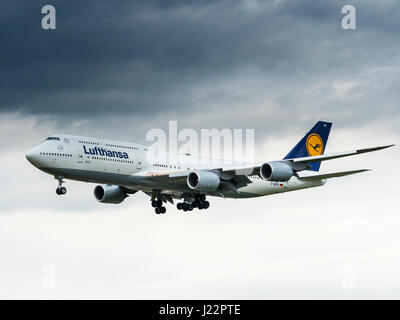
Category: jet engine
[276,171]
[109,194]
[203,181]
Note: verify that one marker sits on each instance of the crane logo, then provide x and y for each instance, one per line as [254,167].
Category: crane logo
[314,145]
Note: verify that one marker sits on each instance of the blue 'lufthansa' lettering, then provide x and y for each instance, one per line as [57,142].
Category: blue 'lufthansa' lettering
[107,153]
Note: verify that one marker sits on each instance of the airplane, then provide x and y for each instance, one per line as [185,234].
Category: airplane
[122,169]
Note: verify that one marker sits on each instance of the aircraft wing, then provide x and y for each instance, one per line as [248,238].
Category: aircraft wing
[236,177]
[177,180]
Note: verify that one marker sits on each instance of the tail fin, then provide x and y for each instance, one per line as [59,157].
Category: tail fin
[312,144]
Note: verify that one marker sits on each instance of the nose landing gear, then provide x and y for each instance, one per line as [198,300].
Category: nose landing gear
[60,189]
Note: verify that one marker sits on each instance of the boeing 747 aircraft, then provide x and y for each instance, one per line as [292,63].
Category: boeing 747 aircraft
[123,168]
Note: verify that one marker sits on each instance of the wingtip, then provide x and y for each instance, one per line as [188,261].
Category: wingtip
[362,170]
[385,147]
[389,146]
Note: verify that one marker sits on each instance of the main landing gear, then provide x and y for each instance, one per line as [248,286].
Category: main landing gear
[199,202]
[188,203]
[184,206]
[158,205]
[60,189]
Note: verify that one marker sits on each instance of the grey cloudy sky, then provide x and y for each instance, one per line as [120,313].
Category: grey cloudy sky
[117,69]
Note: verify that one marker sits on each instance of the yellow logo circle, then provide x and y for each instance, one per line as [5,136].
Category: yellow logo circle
[314,145]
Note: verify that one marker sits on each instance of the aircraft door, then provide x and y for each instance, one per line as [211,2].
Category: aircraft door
[54,159]
[80,157]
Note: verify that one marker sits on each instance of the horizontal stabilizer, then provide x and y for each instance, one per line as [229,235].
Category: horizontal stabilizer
[332,175]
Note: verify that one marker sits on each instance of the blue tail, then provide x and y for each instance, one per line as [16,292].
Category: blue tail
[313,144]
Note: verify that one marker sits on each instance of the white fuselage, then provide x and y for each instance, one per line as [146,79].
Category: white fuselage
[130,165]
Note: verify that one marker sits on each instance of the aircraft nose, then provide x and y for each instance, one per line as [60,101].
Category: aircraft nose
[29,155]
[32,156]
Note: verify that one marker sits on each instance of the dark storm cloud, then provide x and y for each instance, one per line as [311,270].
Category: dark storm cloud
[117,55]
[152,57]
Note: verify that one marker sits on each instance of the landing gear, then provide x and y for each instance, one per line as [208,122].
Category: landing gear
[160,210]
[183,206]
[187,207]
[60,189]
[158,205]
[188,204]
[154,204]
[199,202]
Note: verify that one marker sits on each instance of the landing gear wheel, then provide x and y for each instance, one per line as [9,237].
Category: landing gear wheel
[206,204]
[190,207]
[61,190]
[163,210]
[179,206]
[159,203]
[200,206]
[157,210]
[154,203]
[195,204]
[185,206]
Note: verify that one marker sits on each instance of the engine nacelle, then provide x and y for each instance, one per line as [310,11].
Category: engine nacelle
[276,171]
[109,194]
[203,181]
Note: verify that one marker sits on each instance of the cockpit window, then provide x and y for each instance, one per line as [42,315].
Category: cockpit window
[53,138]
